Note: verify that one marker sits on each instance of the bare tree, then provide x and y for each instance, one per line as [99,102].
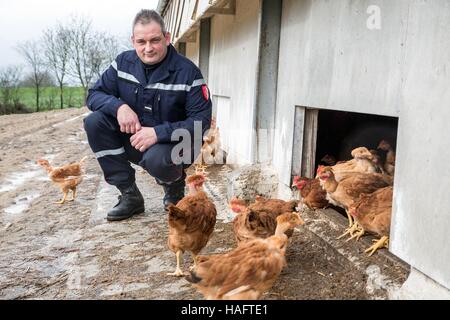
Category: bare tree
[56,51]
[70,99]
[88,52]
[124,43]
[91,51]
[104,50]
[9,87]
[47,81]
[80,38]
[33,54]
[9,83]
[51,97]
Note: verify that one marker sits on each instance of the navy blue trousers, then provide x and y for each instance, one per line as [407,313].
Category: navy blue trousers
[114,153]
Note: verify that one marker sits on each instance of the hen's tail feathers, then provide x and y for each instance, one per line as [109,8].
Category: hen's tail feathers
[83,159]
[83,164]
[175,211]
[192,277]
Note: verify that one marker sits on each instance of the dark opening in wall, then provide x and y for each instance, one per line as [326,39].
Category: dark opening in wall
[338,133]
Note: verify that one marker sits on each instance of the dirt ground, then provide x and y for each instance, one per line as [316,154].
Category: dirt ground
[70,251]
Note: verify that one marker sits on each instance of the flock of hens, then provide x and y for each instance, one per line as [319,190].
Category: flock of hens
[362,186]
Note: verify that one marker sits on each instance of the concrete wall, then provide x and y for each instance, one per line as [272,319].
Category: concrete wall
[232,77]
[330,59]
[422,214]
[193,49]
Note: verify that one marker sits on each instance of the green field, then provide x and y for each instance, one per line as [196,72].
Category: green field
[49,98]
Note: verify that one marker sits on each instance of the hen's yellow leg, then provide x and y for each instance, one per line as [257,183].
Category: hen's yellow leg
[382,243]
[63,199]
[358,234]
[349,230]
[350,220]
[178,272]
[194,257]
[200,169]
[74,194]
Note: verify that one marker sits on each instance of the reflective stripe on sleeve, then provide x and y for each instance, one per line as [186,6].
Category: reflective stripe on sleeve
[176,87]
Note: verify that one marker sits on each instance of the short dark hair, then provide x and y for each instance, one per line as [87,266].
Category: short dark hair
[146,16]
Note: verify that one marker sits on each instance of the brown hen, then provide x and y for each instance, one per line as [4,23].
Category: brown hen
[362,162]
[347,191]
[372,212]
[258,220]
[249,270]
[311,192]
[191,221]
[68,177]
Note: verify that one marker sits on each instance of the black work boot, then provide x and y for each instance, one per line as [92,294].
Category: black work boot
[173,192]
[130,202]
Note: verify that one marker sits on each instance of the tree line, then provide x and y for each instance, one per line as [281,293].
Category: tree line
[67,53]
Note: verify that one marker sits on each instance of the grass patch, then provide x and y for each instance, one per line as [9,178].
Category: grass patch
[49,98]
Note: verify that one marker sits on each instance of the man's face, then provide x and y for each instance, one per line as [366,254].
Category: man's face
[149,42]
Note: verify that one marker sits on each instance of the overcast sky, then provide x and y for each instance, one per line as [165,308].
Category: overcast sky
[22,20]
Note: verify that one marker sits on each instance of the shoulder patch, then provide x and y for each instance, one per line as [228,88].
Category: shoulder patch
[205,92]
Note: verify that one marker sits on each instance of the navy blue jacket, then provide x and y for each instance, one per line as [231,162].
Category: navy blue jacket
[174,97]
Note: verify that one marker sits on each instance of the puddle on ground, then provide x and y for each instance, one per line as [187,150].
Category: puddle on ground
[90,176]
[21,203]
[106,195]
[59,124]
[17,179]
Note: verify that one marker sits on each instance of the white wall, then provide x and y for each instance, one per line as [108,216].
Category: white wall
[232,76]
[193,49]
[422,215]
[330,59]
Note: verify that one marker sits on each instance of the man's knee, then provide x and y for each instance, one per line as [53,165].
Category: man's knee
[92,121]
[96,121]
[154,166]
[159,167]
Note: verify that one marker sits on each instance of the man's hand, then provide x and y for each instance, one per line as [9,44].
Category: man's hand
[144,139]
[128,119]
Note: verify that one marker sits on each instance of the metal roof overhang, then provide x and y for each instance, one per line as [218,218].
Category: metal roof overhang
[214,7]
